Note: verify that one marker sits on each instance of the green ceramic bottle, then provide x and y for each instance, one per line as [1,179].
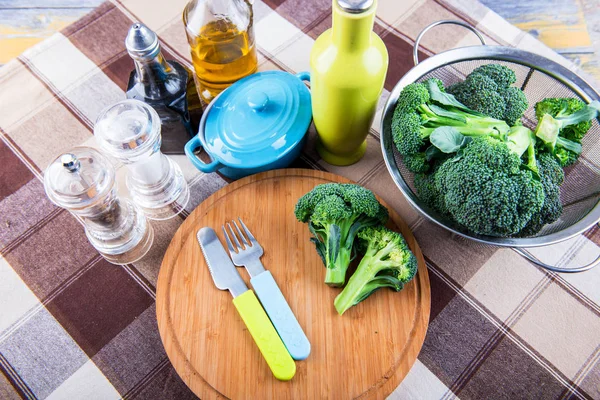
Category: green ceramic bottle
[348,67]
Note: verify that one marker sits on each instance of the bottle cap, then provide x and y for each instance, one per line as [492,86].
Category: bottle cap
[355,6]
[141,42]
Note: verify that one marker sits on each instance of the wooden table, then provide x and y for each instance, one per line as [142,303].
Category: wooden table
[571,27]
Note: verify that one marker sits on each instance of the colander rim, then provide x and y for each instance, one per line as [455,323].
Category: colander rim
[492,53]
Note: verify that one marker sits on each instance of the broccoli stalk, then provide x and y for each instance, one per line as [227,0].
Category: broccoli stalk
[335,213]
[520,140]
[387,262]
[562,123]
[560,107]
[466,123]
[416,117]
[549,130]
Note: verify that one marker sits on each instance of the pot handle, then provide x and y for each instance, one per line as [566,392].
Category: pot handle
[443,22]
[303,76]
[524,253]
[191,147]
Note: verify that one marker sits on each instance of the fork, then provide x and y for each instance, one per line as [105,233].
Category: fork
[246,251]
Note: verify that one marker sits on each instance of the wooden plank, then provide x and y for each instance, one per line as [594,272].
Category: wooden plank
[591,62]
[558,23]
[570,27]
[20,4]
[23,28]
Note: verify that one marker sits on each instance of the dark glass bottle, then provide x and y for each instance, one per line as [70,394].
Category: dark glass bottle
[167,86]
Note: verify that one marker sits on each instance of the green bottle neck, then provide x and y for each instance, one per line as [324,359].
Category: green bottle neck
[352,32]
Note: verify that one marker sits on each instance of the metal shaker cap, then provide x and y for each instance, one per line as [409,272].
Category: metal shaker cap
[141,42]
[79,178]
[355,6]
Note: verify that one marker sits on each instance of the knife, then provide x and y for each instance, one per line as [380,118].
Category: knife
[226,277]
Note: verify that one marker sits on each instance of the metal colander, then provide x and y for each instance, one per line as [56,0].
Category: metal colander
[539,78]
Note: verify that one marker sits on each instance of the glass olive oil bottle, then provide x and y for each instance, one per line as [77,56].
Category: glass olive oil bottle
[221,38]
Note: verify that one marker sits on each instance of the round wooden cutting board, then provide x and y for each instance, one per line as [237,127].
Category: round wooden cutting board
[364,353]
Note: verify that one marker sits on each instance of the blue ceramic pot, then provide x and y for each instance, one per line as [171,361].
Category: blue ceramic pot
[257,124]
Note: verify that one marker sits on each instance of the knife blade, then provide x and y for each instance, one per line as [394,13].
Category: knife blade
[226,277]
[222,270]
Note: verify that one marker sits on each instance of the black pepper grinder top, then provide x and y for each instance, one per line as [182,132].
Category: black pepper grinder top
[167,86]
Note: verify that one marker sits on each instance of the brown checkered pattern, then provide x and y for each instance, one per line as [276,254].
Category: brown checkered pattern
[73,326]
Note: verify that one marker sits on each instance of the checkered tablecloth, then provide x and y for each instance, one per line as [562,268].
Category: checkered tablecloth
[73,326]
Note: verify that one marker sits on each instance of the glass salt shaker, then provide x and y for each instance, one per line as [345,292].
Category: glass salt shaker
[130,131]
[83,182]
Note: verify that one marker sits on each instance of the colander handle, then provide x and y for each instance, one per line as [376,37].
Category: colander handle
[443,22]
[553,268]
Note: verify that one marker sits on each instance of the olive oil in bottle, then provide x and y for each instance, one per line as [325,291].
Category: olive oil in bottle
[221,38]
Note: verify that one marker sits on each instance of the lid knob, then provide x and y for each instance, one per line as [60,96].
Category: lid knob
[258,100]
[70,162]
[141,42]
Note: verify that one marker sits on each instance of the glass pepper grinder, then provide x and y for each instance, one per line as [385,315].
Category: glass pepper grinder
[83,182]
[130,131]
[166,85]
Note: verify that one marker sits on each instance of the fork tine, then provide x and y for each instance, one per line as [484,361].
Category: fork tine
[235,239]
[229,244]
[248,233]
[242,237]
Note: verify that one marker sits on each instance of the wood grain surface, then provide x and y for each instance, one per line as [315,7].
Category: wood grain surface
[24,23]
[571,27]
[364,353]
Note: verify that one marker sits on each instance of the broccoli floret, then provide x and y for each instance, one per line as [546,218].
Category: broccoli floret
[562,107]
[516,104]
[416,117]
[485,189]
[502,75]
[387,262]
[487,102]
[307,203]
[335,213]
[552,176]
[408,133]
[552,125]
[411,97]
[428,193]
[566,157]
[416,162]
[482,93]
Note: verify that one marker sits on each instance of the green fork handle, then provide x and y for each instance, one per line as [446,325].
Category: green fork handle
[265,336]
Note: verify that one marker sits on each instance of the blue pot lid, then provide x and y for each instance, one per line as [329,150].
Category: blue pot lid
[258,119]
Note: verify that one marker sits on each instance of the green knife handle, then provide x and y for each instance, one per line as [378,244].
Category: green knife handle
[265,336]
